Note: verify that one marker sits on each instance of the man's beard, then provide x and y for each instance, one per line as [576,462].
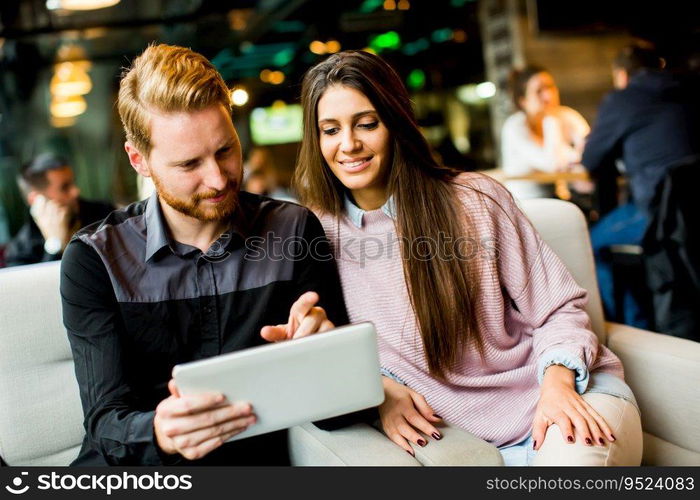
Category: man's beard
[192,207]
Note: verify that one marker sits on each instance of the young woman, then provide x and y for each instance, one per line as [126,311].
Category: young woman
[479,323]
[542,135]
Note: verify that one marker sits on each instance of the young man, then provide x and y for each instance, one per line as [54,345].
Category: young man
[197,270]
[57,211]
[649,123]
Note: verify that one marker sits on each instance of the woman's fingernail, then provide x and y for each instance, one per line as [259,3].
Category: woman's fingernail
[570,439]
[437,435]
[600,440]
[613,437]
[422,442]
[588,441]
[437,416]
[534,445]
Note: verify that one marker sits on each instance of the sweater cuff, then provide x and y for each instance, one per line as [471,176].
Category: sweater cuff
[564,358]
[386,373]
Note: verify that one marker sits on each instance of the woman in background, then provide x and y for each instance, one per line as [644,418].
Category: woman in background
[542,135]
[478,321]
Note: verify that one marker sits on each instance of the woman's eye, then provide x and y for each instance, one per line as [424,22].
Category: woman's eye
[330,131]
[369,126]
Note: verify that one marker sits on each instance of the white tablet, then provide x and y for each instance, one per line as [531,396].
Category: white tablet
[296,381]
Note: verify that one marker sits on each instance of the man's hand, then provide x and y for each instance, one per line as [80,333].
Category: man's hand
[195,425]
[304,319]
[405,414]
[52,219]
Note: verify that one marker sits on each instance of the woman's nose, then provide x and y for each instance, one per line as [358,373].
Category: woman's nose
[348,142]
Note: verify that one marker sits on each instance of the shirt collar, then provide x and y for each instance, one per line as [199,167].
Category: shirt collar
[355,213]
[157,236]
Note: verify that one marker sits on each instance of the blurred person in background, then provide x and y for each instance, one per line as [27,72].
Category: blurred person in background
[542,135]
[263,176]
[646,126]
[56,211]
[497,344]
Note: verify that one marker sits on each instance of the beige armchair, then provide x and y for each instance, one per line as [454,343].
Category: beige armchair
[662,371]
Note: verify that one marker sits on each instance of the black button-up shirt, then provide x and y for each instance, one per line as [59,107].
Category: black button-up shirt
[136,303]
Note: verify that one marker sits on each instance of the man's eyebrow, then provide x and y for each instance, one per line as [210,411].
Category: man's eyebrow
[177,163]
[228,144]
[359,114]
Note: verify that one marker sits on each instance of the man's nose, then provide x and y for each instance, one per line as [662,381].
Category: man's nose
[216,177]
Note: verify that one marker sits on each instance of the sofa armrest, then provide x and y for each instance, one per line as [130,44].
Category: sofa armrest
[663,372]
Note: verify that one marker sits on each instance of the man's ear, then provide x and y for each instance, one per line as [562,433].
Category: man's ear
[620,78]
[136,159]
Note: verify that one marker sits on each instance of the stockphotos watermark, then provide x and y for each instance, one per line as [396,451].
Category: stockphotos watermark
[273,248]
[107,483]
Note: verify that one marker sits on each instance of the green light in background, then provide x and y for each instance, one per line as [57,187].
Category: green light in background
[458,3]
[289,27]
[370,6]
[283,57]
[416,79]
[416,46]
[386,41]
[442,35]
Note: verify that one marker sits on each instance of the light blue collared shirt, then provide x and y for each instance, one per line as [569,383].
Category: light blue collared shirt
[355,213]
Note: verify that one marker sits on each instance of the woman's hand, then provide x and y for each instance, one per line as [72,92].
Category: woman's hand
[404,413]
[560,404]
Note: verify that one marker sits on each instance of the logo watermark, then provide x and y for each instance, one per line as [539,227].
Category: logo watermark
[107,483]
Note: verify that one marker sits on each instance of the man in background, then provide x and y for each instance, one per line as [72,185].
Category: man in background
[56,211]
[647,126]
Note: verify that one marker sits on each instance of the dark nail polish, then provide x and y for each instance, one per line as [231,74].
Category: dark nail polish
[613,437]
[570,439]
[534,445]
[422,442]
[437,436]
[437,416]
[600,440]
[588,441]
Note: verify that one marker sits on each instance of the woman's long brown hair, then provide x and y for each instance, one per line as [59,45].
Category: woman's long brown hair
[443,291]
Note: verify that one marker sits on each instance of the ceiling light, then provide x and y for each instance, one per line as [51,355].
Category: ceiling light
[276,77]
[239,97]
[318,47]
[67,107]
[70,79]
[80,4]
[486,90]
[333,46]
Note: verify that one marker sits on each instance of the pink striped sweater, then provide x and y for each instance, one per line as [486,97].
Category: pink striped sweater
[494,399]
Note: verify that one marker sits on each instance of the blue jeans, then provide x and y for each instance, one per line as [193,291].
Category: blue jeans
[625,225]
